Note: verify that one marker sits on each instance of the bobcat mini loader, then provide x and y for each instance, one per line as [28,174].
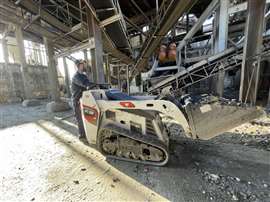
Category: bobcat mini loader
[131,128]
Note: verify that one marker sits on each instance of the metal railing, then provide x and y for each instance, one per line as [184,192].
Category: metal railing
[226,60]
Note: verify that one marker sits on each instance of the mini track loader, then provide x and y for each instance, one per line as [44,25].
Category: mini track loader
[131,128]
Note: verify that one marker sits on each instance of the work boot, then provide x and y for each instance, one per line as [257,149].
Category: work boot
[83,139]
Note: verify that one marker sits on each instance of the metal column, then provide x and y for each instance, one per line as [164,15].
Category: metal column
[118,77]
[19,39]
[253,43]
[128,83]
[89,71]
[67,77]
[52,72]
[85,54]
[221,38]
[93,64]
[268,102]
[97,53]
[223,25]
[207,12]
[108,69]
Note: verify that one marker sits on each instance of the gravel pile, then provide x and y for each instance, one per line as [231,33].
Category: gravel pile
[255,141]
[221,187]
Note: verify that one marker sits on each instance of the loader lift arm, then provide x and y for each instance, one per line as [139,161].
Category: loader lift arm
[132,130]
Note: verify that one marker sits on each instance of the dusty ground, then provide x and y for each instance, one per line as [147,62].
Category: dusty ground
[44,161]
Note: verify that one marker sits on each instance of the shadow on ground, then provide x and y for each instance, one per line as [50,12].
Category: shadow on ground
[227,168]
[204,170]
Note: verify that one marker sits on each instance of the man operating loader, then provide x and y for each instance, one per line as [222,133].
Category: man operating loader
[80,83]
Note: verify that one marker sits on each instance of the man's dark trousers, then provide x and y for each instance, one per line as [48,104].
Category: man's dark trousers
[78,116]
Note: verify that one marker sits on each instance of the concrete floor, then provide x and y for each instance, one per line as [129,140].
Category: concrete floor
[44,161]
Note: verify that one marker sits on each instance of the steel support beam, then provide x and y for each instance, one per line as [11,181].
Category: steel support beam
[223,25]
[85,54]
[128,82]
[221,41]
[268,103]
[67,77]
[52,71]
[31,6]
[108,45]
[240,7]
[88,71]
[174,11]
[139,19]
[90,44]
[108,69]
[110,20]
[134,25]
[118,76]
[93,64]
[97,64]
[35,18]
[253,45]
[139,9]
[73,37]
[157,7]
[212,6]
[5,16]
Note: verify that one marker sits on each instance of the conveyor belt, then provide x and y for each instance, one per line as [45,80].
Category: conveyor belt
[228,59]
[174,11]
[115,30]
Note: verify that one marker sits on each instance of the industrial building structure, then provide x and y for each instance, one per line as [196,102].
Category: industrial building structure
[141,47]
[118,38]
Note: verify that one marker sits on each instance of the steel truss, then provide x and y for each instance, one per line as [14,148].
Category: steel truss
[61,10]
[227,60]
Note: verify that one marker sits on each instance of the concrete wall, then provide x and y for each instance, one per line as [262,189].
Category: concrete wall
[13,51]
[4,84]
[37,78]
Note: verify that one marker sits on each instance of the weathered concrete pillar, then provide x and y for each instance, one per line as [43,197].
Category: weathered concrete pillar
[97,53]
[67,77]
[221,38]
[52,71]
[24,69]
[12,93]
[57,104]
[5,50]
[250,70]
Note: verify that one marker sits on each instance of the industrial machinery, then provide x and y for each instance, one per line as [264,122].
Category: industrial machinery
[229,59]
[131,128]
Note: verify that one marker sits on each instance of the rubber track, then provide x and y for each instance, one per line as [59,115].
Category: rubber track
[146,139]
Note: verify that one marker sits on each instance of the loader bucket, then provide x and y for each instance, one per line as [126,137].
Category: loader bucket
[208,120]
